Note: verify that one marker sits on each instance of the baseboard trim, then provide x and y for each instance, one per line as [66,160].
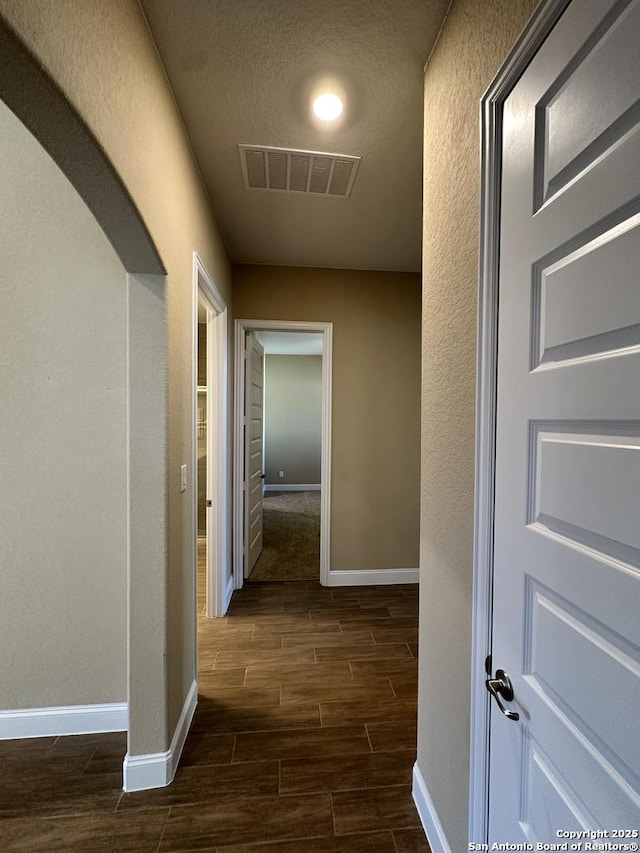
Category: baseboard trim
[157,769]
[182,729]
[373,577]
[143,772]
[293,487]
[64,720]
[428,814]
[226,601]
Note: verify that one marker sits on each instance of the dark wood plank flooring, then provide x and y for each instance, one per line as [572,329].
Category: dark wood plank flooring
[303,741]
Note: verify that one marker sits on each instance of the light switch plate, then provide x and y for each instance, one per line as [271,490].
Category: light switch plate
[183,478]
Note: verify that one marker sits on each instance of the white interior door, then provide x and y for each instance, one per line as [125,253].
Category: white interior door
[212,437]
[253,453]
[566,618]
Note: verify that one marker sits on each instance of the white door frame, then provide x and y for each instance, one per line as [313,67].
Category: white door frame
[534,34]
[326,330]
[218,567]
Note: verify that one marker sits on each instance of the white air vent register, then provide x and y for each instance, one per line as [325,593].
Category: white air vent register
[288,170]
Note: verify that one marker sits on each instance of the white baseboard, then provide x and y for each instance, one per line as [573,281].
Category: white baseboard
[373,577]
[226,601]
[157,769]
[293,487]
[428,815]
[142,772]
[64,720]
[182,729]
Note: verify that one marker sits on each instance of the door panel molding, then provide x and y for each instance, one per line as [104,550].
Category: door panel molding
[240,328]
[254,378]
[530,41]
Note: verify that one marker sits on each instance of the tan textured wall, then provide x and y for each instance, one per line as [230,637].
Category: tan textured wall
[293,418]
[63,608]
[473,44]
[376,386]
[103,58]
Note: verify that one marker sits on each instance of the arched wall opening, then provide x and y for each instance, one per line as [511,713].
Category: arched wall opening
[124,342]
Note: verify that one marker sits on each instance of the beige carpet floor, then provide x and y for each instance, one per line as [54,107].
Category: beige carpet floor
[291,536]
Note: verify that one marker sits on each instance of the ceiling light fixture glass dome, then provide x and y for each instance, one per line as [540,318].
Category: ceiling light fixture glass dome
[327,107]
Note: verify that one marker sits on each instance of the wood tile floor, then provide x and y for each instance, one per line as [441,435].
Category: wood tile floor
[303,741]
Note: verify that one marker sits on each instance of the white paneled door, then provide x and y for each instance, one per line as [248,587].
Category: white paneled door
[566,617]
[253,453]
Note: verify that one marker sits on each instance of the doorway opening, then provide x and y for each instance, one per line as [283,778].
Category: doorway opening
[201,470]
[212,570]
[282,451]
[291,458]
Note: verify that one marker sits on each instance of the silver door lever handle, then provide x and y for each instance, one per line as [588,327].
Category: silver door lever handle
[501,686]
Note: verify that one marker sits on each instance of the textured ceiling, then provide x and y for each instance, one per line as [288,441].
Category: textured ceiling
[244,71]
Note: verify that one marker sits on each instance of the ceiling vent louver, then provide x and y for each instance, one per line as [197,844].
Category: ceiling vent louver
[288,170]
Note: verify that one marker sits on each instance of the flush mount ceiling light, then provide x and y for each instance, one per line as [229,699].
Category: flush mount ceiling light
[327,106]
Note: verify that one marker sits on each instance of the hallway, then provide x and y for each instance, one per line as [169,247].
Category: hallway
[304,737]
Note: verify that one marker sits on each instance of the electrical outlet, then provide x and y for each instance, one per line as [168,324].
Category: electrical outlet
[281,475]
[183,478]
